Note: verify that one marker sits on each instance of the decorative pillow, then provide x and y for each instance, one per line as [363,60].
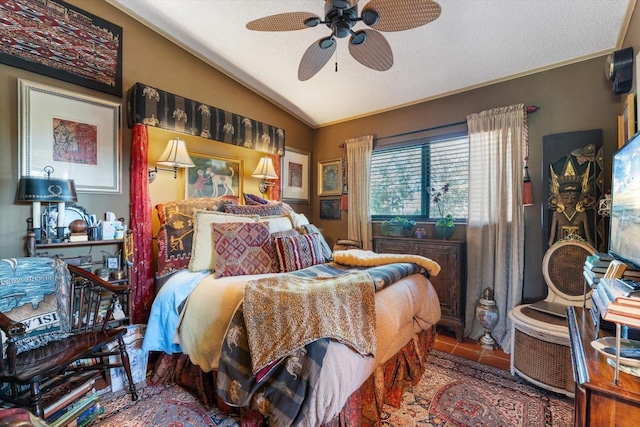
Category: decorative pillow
[270,209]
[298,220]
[202,254]
[34,291]
[312,229]
[275,261]
[298,252]
[252,199]
[241,248]
[277,223]
[176,230]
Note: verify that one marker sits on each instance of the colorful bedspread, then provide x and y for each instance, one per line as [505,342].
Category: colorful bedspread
[282,389]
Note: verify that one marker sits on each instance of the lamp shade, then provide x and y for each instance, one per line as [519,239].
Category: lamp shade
[265,169]
[37,189]
[175,155]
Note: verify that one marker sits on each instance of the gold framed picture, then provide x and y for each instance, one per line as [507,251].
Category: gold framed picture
[330,178]
[213,176]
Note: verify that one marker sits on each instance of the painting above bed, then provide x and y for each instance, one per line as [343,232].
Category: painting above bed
[154,107]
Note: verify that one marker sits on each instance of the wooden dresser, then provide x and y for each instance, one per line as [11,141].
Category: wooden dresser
[598,401]
[450,284]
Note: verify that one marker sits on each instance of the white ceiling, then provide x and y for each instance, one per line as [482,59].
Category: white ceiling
[471,44]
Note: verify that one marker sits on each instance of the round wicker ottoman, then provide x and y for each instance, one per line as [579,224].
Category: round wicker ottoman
[540,350]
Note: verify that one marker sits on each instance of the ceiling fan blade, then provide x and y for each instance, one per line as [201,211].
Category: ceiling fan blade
[374,52]
[315,58]
[399,15]
[289,21]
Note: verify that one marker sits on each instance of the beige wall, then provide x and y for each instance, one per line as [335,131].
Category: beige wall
[151,59]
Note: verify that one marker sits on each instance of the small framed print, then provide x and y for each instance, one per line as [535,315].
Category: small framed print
[330,178]
[330,209]
[295,176]
[213,177]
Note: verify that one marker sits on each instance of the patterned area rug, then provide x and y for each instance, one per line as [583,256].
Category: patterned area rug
[453,392]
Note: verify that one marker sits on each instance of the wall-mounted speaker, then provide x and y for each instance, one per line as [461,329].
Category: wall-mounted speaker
[619,70]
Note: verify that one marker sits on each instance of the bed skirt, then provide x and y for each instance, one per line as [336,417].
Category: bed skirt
[363,408]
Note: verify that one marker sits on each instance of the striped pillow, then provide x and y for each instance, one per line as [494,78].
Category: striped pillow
[298,252]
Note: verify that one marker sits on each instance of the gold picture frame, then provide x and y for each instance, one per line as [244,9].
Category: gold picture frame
[330,178]
[627,120]
[213,176]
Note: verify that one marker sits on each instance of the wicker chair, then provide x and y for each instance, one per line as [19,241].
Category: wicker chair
[540,350]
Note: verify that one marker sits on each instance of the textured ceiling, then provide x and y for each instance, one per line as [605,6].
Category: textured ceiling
[471,44]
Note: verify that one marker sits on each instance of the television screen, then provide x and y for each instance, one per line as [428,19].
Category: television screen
[624,232]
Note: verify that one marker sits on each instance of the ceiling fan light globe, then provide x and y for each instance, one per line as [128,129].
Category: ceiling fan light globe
[359,37]
[370,17]
[326,43]
[312,22]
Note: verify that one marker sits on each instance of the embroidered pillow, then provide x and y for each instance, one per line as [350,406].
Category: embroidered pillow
[241,248]
[275,261]
[312,229]
[34,291]
[270,209]
[298,252]
[252,199]
[175,234]
[202,254]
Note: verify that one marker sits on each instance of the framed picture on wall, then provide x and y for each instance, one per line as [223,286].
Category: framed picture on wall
[330,209]
[627,120]
[213,176]
[330,178]
[295,176]
[77,135]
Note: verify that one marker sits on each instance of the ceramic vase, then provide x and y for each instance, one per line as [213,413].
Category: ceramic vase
[444,231]
[488,315]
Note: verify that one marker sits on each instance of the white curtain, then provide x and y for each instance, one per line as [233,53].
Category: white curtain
[495,226]
[358,177]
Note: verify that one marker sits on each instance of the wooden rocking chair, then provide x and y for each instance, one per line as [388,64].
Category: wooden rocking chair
[34,363]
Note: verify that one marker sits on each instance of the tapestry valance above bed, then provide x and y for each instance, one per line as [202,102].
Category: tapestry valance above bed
[154,107]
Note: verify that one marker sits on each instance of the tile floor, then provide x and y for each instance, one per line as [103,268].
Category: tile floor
[469,349]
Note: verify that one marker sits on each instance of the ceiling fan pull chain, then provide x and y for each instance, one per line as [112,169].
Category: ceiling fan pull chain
[336,60]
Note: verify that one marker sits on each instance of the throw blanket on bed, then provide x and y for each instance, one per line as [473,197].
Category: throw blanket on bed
[342,308]
[281,390]
[362,258]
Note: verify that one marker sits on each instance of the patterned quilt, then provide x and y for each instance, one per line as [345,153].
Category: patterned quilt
[281,390]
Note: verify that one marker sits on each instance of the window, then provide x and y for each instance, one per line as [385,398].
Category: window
[402,176]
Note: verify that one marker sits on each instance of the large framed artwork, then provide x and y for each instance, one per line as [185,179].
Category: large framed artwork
[78,135]
[330,178]
[59,40]
[213,177]
[295,176]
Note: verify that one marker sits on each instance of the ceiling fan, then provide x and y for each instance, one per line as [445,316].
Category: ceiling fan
[368,46]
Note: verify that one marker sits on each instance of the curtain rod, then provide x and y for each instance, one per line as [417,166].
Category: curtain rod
[529,110]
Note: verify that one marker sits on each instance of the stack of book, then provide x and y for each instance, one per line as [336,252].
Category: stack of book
[74,402]
[595,267]
[618,301]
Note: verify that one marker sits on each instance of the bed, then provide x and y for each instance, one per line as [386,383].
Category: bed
[231,314]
